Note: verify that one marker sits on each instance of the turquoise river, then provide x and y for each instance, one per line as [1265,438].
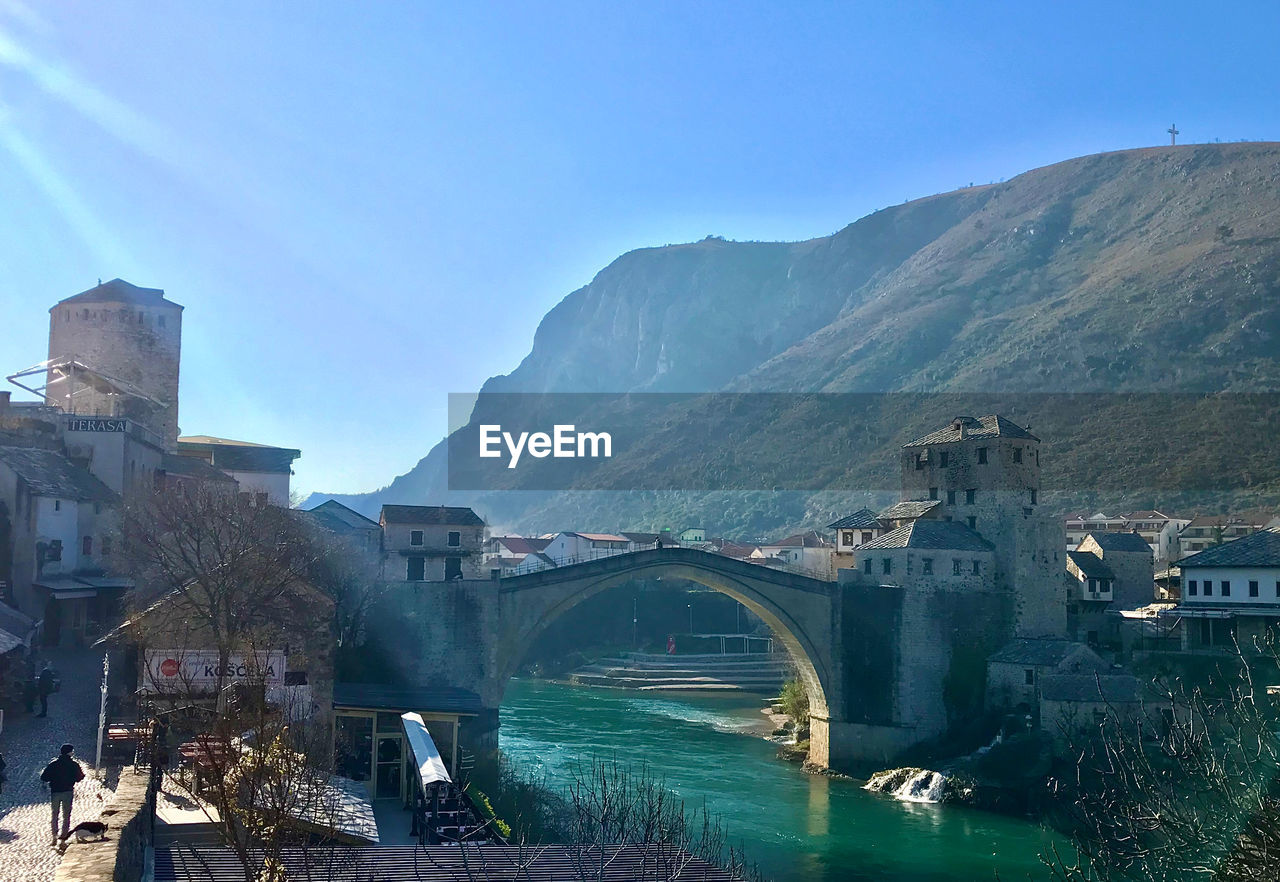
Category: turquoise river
[795,826]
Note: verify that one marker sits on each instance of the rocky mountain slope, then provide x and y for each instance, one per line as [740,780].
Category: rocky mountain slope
[1154,270]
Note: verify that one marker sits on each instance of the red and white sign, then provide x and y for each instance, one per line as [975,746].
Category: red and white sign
[197,670]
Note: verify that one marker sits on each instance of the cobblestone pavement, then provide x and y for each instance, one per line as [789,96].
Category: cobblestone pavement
[29,743]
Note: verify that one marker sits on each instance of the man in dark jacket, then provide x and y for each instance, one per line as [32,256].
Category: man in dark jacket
[45,685]
[61,775]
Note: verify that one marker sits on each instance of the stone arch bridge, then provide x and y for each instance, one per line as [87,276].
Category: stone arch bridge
[872,657]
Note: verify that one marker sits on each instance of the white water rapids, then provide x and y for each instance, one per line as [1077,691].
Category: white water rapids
[909,785]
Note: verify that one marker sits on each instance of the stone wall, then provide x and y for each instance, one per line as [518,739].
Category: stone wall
[122,856]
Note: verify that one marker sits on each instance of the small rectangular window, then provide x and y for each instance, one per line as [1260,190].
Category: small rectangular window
[57,505]
[920,461]
[1191,588]
[886,565]
[955,567]
[1029,676]
[1033,497]
[866,565]
[1017,454]
[943,458]
[927,566]
[1208,587]
[970,496]
[866,536]
[1253,588]
[951,497]
[977,568]
[1226,588]
[933,492]
[415,537]
[982,456]
[455,538]
[972,521]
[1277,587]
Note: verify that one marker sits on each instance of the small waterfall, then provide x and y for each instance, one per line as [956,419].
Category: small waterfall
[909,785]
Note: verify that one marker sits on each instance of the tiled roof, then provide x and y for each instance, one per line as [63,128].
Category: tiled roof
[445,699]
[642,538]
[1223,521]
[990,426]
[194,468]
[1260,549]
[119,291]
[447,515]
[1120,541]
[1039,652]
[519,544]
[348,516]
[914,508]
[800,540]
[925,533]
[863,517]
[602,537]
[1089,687]
[239,456]
[1090,564]
[48,473]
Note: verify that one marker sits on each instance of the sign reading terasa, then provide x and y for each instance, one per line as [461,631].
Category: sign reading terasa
[82,424]
[198,670]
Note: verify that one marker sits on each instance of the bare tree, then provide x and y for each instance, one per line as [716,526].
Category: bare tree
[1185,789]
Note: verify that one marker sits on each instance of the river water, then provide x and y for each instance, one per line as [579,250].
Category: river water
[796,826]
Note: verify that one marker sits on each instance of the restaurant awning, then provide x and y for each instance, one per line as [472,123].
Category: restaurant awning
[426,757]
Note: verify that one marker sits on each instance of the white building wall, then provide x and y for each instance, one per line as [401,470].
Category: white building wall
[1267,578]
[274,484]
[58,519]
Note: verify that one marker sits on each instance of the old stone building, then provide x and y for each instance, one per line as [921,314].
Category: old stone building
[431,543]
[1109,572]
[129,333]
[985,474]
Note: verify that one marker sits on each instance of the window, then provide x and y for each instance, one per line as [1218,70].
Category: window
[1208,587]
[886,565]
[1029,676]
[1277,587]
[943,458]
[415,537]
[87,543]
[1226,588]
[969,496]
[1033,497]
[982,456]
[846,537]
[452,568]
[866,536]
[1017,454]
[955,567]
[866,565]
[977,568]
[951,497]
[933,492]
[1093,586]
[972,521]
[921,459]
[926,565]
[455,539]
[417,570]
[1253,588]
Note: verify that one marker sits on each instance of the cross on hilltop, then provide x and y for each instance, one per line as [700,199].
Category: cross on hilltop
[1173,134]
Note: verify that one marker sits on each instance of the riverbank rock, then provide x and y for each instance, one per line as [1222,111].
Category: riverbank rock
[914,785]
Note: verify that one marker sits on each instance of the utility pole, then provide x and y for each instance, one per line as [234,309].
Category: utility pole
[1173,134]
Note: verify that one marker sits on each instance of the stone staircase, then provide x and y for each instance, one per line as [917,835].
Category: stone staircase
[761,672]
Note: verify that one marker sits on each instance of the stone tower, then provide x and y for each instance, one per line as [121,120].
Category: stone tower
[126,333]
[985,473]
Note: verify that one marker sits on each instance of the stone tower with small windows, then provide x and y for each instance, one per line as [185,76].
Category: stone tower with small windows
[125,333]
[985,473]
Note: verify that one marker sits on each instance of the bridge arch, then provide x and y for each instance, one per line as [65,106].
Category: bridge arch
[798,609]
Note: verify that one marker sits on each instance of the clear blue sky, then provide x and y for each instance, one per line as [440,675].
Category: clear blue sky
[367,206]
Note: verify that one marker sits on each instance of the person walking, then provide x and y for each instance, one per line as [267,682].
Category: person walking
[61,775]
[44,685]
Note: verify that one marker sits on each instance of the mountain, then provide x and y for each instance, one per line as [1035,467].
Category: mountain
[1152,270]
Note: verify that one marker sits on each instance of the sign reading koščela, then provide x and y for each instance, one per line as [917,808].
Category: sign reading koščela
[198,670]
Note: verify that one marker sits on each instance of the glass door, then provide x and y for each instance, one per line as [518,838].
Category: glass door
[389,775]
